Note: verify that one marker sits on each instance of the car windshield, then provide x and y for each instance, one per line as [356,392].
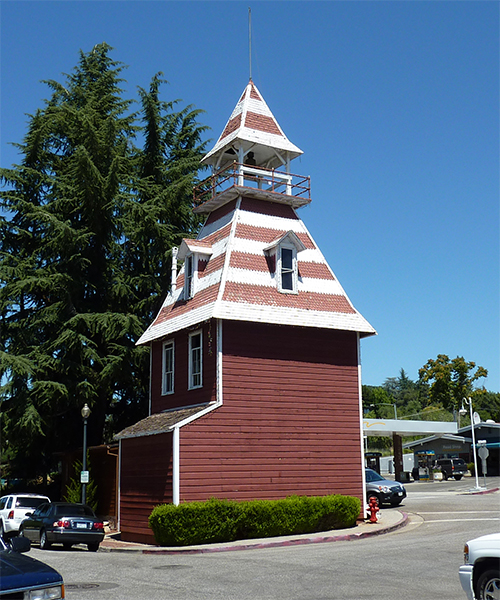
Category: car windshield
[73,510]
[27,502]
[373,476]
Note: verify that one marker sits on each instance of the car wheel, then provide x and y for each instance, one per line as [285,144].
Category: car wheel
[488,585]
[93,547]
[457,477]
[371,495]
[44,542]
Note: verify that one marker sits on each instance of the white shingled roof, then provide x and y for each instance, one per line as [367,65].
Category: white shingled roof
[234,255]
[252,126]
[238,283]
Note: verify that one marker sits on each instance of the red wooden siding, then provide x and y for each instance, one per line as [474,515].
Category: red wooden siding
[182,396]
[290,421]
[220,212]
[146,481]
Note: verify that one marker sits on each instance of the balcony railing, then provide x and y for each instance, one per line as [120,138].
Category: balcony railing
[241,175]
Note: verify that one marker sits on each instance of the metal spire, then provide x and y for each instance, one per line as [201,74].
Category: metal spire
[250,39]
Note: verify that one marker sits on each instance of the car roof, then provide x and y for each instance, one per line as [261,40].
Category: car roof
[27,495]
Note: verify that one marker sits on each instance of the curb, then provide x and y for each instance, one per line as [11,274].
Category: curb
[274,543]
[480,492]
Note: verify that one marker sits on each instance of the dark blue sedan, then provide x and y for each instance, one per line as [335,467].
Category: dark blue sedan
[24,577]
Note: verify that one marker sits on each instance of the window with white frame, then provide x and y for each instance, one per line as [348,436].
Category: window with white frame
[188,276]
[287,272]
[195,360]
[281,255]
[168,368]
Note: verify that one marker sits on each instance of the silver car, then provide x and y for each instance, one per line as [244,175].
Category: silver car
[384,490]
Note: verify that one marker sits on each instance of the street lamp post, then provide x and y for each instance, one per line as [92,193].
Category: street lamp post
[84,473]
[463,411]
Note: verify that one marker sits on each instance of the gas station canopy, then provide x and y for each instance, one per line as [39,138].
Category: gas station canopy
[403,427]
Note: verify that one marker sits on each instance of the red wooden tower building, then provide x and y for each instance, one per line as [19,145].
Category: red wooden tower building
[255,363]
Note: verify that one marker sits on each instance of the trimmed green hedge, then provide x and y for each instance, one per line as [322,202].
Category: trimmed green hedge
[227,520]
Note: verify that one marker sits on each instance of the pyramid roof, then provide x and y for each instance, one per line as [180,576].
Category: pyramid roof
[252,126]
[236,281]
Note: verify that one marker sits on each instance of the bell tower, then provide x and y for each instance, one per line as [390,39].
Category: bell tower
[252,155]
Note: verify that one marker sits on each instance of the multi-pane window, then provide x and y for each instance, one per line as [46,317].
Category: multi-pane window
[188,275]
[195,360]
[168,368]
[287,269]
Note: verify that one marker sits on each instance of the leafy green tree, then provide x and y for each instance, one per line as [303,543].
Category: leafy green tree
[378,401]
[450,380]
[487,404]
[87,225]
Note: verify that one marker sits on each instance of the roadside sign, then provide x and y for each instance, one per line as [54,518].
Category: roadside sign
[84,476]
[483,452]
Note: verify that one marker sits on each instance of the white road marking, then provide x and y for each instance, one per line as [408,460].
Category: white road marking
[460,520]
[458,512]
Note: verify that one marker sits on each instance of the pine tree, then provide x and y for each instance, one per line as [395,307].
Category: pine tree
[90,219]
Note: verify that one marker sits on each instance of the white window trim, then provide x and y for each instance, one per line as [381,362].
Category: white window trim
[191,374]
[295,271]
[164,390]
[189,282]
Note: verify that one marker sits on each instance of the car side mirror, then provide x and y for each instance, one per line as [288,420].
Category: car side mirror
[20,544]
[29,514]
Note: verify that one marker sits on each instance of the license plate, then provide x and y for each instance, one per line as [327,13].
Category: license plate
[81,525]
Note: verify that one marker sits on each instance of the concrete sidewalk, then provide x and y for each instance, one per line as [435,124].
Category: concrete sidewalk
[389,520]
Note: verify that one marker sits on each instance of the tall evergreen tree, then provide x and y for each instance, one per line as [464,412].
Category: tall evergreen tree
[89,222]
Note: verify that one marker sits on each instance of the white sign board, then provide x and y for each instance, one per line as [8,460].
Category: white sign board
[84,476]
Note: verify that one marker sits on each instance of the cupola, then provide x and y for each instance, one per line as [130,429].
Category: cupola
[252,152]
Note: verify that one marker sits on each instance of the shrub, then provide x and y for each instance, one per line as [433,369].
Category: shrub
[195,522]
[228,520]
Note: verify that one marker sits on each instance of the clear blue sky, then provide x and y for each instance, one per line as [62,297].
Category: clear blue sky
[395,105]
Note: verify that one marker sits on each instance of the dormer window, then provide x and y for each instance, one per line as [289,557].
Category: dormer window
[188,276]
[287,269]
[192,252]
[283,253]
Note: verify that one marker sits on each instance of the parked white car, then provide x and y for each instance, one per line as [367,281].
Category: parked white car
[480,575]
[14,508]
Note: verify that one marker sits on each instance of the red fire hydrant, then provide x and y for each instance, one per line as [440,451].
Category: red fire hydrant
[373,509]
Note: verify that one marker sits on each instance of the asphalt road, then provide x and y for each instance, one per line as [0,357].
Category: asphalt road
[417,562]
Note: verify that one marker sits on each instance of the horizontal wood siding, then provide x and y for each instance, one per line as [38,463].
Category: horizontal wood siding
[182,396]
[146,481]
[290,420]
